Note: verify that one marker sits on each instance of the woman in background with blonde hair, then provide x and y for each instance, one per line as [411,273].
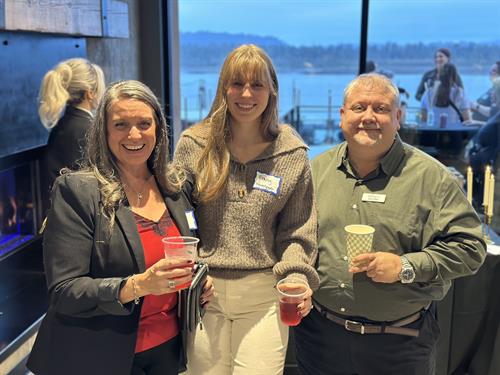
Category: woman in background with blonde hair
[256,218]
[69,93]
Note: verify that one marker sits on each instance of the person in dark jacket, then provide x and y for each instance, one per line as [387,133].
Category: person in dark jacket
[485,106]
[441,57]
[113,295]
[68,94]
[486,145]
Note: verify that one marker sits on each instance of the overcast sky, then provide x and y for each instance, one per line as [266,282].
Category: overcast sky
[324,22]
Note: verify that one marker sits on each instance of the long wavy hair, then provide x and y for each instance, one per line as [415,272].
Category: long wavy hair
[101,162]
[67,83]
[448,77]
[245,63]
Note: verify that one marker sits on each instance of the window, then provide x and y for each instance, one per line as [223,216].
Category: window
[314,45]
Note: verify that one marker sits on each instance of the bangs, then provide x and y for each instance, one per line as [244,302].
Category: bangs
[249,67]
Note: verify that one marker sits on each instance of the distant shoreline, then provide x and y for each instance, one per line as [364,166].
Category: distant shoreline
[344,70]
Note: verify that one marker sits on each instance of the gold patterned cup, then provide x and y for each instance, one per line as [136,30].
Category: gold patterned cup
[359,240]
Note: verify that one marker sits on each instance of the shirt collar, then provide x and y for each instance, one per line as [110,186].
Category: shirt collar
[388,163]
[85,110]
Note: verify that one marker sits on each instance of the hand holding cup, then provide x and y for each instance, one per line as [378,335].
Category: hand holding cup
[294,300]
[167,276]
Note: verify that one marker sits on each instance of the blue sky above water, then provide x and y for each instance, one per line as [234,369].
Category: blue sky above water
[325,22]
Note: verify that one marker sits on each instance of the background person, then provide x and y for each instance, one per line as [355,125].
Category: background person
[486,106]
[446,98]
[256,214]
[486,145]
[113,300]
[441,56]
[374,317]
[69,93]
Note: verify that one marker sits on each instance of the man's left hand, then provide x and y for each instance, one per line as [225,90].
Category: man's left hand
[380,266]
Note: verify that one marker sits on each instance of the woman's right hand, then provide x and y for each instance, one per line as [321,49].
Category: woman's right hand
[164,277]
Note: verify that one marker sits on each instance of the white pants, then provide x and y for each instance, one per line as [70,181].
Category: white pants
[242,333]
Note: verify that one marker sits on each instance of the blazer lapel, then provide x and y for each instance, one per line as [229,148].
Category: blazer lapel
[125,220]
[178,212]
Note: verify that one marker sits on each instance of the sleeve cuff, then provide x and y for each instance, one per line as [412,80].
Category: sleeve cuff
[109,292]
[425,269]
[305,271]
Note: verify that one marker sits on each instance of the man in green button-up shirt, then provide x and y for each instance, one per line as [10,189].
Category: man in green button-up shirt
[373,317]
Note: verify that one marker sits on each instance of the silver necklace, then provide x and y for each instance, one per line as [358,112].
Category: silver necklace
[139,193]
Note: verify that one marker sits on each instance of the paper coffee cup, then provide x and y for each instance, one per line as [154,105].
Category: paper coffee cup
[359,239]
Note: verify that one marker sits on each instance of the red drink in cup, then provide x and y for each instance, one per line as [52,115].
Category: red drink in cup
[292,292]
[182,250]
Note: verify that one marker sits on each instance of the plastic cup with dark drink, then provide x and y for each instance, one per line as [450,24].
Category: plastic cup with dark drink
[181,250]
[292,292]
[443,119]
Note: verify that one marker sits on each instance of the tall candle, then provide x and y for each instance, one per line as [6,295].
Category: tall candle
[469,184]
[487,174]
[491,189]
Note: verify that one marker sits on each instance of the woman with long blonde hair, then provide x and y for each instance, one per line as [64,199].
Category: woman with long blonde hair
[256,218]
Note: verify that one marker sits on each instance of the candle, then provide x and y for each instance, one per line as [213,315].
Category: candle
[487,175]
[491,189]
[469,184]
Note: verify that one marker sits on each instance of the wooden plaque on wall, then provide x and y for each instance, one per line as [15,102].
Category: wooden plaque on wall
[77,17]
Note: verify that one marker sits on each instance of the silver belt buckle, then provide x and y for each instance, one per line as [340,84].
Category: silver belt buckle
[351,325]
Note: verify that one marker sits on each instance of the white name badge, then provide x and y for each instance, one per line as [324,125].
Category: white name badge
[267,183]
[368,197]
[191,220]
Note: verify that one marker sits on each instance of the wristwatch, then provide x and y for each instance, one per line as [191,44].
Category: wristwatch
[407,274]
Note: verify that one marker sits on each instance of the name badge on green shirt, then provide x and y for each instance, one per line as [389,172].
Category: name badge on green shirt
[369,197]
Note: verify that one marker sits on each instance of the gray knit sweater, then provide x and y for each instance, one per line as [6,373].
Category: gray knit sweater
[260,220]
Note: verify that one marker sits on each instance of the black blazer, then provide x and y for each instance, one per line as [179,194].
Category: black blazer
[66,141]
[65,146]
[86,329]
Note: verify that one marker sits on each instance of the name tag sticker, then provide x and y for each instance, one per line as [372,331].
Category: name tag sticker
[191,220]
[379,198]
[267,183]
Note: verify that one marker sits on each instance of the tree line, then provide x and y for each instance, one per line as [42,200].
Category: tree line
[469,57]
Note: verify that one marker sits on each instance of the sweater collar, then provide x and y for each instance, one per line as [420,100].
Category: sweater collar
[287,140]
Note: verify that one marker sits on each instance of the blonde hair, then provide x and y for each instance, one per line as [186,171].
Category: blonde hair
[65,84]
[246,62]
[102,163]
[371,81]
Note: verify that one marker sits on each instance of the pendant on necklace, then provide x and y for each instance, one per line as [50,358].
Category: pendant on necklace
[139,197]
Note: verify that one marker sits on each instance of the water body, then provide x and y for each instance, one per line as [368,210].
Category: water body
[304,89]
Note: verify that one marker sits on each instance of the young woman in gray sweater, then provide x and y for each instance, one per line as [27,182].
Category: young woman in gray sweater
[256,217]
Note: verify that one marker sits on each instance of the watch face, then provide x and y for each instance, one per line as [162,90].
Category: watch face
[407,274]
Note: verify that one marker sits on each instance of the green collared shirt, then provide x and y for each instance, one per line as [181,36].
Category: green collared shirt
[417,209]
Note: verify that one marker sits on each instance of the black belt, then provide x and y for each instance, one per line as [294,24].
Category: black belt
[395,327]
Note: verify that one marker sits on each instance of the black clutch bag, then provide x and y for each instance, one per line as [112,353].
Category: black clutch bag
[190,309]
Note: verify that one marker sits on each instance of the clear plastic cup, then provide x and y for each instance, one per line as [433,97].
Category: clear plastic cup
[181,250]
[292,292]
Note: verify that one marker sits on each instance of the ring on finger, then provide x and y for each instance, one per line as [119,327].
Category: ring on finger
[152,270]
[171,284]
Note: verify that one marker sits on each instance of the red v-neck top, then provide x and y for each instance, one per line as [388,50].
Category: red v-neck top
[158,322]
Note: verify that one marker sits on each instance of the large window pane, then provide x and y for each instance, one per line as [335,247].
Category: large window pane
[314,45]
[410,38]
